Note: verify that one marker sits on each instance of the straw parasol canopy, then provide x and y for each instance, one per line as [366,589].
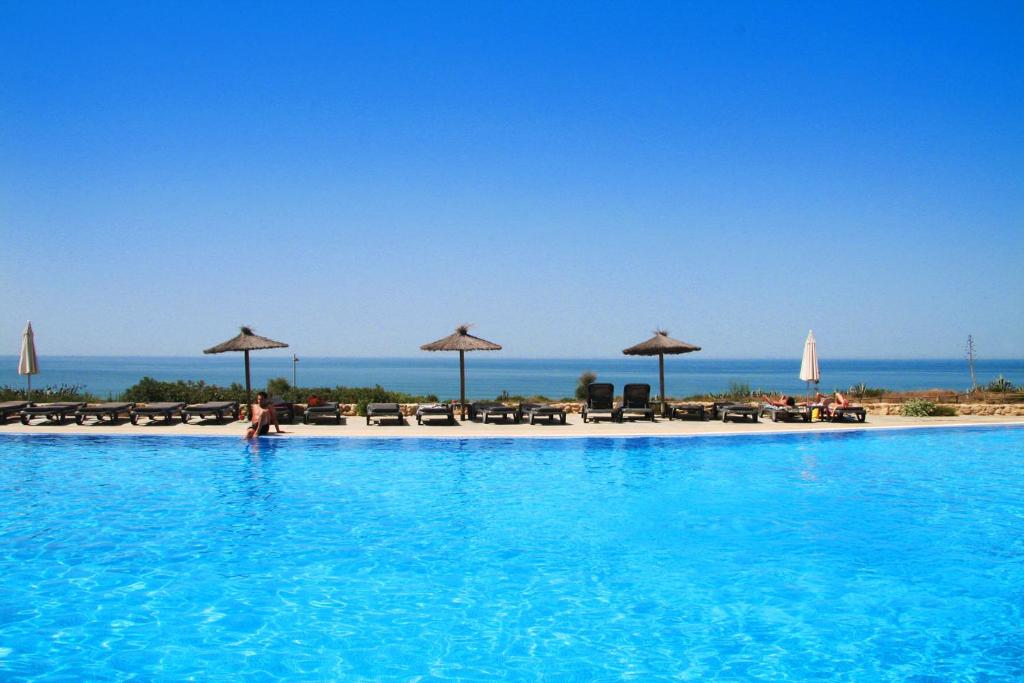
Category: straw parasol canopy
[461,341]
[28,364]
[809,371]
[661,345]
[246,341]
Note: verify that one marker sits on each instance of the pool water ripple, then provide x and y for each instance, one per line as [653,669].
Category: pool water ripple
[889,556]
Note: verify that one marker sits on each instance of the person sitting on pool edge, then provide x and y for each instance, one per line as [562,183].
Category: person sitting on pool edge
[263,415]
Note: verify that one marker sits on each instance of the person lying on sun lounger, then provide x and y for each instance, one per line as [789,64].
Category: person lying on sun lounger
[841,401]
[824,402]
[263,415]
[781,402]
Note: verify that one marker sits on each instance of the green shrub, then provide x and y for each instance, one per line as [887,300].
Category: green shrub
[737,391]
[585,380]
[149,390]
[279,386]
[862,390]
[1001,385]
[48,394]
[919,408]
[944,411]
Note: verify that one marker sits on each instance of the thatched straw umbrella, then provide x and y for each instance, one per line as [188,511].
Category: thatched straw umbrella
[659,345]
[461,341]
[246,341]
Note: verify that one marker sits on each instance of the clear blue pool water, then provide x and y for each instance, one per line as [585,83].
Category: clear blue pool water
[856,556]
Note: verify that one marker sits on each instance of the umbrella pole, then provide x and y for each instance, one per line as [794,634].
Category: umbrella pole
[248,386]
[661,376]
[28,394]
[462,382]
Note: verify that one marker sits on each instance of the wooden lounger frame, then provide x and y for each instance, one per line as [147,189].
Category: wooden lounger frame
[215,409]
[101,410]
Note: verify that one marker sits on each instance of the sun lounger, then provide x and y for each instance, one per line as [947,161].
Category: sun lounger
[54,412]
[486,410]
[8,408]
[600,403]
[540,411]
[285,410]
[636,402]
[384,411]
[431,411]
[687,411]
[98,411]
[857,412]
[716,408]
[786,413]
[738,411]
[329,409]
[215,409]
[152,411]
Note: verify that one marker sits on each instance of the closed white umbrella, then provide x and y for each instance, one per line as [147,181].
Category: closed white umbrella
[28,364]
[809,371]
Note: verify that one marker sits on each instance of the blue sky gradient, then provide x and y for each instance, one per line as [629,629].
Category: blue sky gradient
[357,179]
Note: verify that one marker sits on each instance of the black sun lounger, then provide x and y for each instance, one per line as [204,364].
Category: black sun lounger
[687,411]
[600,403]
[54,412]
[486,410]
[786,413]
[384,411]
[8,408]
[285,410]
[430,411]
[98,411]
[636,402]
[737,411]
[857,412]
[165,410]
[329,409]
[540,411]
[218,410]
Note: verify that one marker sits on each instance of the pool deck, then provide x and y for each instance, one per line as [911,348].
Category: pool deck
[356,427]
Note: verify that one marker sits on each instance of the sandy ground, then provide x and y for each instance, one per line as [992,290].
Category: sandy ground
[357,427]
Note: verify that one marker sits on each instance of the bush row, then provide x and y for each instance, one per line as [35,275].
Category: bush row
[50,394]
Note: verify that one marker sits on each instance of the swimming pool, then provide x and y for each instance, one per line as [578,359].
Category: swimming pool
[868,555]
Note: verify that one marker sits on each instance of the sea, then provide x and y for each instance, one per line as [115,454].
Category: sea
[489,375]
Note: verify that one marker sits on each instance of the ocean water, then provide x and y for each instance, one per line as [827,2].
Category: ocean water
[487,375]
[857,556]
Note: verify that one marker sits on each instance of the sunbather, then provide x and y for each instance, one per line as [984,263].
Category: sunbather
[841,401]
[782,401]
[263,415]
[823,402]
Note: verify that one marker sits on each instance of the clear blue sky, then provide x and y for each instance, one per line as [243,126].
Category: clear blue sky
[357,179]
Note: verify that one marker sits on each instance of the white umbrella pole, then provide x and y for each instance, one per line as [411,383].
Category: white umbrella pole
[28,394]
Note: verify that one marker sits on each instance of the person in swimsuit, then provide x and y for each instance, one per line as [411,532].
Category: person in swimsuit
[824,402]
[263,415]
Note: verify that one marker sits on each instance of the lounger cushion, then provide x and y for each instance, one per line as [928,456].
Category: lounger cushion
[106,408]
[159,407]
[211,405]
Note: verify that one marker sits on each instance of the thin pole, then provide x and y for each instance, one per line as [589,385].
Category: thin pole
[28,394]
[295,360]
[661,374]
[248,385]
[462,381]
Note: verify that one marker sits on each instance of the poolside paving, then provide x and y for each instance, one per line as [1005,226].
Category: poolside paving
[357,427]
